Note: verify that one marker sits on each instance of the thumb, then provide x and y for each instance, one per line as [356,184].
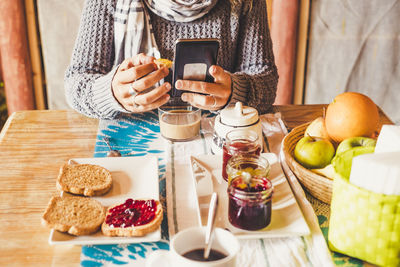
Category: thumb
[219,74]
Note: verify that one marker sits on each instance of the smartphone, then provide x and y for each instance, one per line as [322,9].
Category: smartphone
[193,58]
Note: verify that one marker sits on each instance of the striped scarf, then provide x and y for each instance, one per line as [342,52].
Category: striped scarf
[133,33]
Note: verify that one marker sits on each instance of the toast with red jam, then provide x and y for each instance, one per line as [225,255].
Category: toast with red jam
[135,217]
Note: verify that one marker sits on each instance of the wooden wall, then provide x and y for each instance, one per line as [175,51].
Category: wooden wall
[15,60]
[35,52]
[289,24]
[283,24]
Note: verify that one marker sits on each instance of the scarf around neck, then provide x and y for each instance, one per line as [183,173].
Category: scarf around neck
[133,33]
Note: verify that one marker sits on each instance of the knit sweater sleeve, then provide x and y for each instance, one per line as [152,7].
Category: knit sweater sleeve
[255,78]
[88,78]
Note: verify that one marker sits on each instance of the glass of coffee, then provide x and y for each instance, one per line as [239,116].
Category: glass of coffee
[179,123]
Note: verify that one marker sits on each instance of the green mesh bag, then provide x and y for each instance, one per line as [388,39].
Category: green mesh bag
[364,224]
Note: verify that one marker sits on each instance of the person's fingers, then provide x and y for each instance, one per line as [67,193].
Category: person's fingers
[123,91]
[210,102]
[222,78]
[137,60]
[142,59]
[127,63]
[134,107]
[159,102]
[150,80]
[131,74]
[220,88]
[197,87]
[152,96]
[220,75]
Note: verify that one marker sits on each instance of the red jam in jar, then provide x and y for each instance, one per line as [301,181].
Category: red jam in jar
[239,142]
[132,213]
[250,202]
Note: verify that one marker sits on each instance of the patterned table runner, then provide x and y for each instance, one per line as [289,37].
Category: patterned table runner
[139,135]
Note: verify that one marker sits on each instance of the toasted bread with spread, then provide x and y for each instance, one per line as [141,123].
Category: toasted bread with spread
[133,218]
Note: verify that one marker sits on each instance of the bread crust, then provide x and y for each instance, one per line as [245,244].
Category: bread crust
[134,230]
[60,208]
[87,188]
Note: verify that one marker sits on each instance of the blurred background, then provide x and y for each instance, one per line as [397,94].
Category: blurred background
[322,48]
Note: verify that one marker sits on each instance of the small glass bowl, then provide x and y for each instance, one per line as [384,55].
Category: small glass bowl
[179,123]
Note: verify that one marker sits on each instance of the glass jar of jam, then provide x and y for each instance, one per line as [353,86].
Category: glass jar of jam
[250,197]
[250,208]
[253,165]
[239,142]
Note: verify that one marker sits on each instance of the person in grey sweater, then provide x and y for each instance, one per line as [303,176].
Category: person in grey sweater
[112,69]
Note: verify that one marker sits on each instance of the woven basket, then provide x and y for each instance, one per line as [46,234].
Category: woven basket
[364,224]
[317,185]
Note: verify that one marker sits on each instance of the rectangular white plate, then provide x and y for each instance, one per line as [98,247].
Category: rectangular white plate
[133,177]
[286,219]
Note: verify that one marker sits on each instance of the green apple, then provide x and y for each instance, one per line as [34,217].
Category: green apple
[353,142]
[313,152]
[342,162]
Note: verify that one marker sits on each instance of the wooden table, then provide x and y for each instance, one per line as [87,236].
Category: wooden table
[33,145]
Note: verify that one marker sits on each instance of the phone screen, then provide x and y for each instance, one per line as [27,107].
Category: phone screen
[193,58]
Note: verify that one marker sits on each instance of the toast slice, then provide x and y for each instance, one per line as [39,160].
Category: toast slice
[133,218]
[74,215]
[84,179]
[162,62]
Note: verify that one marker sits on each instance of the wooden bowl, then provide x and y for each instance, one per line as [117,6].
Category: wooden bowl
[317,185]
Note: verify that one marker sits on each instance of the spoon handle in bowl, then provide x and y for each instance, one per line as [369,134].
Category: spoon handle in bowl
[210,223]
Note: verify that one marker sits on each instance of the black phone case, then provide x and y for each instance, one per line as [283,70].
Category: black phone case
[193,54]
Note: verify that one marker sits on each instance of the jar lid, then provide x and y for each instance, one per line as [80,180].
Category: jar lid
[239,115]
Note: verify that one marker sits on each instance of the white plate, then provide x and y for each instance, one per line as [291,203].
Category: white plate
[133,177]
[286,218]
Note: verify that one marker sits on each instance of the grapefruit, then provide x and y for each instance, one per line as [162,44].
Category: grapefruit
[351,114]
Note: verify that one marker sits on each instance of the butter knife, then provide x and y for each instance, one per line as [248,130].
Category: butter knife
[202,177]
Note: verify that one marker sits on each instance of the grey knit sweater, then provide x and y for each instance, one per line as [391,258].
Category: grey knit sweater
[245,52]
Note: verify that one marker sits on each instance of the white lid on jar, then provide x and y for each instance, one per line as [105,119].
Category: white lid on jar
[239,115]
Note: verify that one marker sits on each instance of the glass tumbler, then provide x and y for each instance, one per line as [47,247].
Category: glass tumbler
[179,123]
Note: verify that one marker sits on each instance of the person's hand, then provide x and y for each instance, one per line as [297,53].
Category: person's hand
[216,94]
[133,84]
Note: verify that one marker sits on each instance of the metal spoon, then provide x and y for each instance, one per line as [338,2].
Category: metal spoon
[112,152]
[212,211]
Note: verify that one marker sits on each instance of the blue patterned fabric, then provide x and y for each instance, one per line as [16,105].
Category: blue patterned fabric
[133,136]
